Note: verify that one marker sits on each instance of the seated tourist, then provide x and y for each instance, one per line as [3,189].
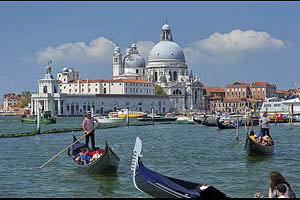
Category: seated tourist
[96,155]
[84,157]
[266,140]
[252,136]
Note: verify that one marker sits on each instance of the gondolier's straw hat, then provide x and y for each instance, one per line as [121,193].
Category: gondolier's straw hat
[267,138]
[88,112]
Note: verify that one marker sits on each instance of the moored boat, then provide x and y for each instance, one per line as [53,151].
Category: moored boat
[108,161]
[254,148]
[156,119]
[160,186]
[104,119]
[46,118]
[123,113]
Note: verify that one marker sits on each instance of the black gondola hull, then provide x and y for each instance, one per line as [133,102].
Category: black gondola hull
[253,148]
[160,191]
[205,123]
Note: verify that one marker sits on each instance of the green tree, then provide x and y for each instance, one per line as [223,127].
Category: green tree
[159,90]
[25,100]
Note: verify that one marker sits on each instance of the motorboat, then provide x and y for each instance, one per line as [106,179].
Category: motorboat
[124,112]
[106,119]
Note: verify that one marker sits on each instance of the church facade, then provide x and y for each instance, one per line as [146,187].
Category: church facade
[166,67]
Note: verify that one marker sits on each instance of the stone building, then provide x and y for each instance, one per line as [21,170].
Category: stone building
[62,99]
[212,96]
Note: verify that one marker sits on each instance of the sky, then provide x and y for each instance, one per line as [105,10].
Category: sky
[223,42]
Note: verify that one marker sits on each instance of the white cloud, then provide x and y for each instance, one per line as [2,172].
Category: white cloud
[238,41]
[218,48]
[100,48]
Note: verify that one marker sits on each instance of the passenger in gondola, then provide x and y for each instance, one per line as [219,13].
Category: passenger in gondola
[266,141]
[84,157]
[97,154]
[252,136]
[260,137]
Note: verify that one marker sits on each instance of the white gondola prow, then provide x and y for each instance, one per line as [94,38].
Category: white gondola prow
[136,154]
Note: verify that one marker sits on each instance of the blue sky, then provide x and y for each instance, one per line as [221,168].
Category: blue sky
[223,42]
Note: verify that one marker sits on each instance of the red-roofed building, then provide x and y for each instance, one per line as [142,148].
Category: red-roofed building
[11,100]
[212,95]
[243,97]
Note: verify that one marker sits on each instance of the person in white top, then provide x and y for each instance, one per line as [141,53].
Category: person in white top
[264,124]
[96,155]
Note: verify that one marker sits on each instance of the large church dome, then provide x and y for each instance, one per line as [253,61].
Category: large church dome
[166,50]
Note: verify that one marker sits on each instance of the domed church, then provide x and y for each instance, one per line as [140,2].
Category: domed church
[166,67]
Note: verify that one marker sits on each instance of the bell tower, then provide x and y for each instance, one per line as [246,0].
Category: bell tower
[117,63]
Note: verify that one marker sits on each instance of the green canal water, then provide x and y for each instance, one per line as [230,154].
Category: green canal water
[186,151]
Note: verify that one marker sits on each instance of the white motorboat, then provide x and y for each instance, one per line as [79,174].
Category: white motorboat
[105,119]
[275,105]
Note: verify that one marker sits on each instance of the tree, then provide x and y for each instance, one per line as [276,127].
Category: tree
[25,100]
[159,90]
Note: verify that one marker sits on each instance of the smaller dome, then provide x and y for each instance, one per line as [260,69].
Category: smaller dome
[134,61]
[71,70]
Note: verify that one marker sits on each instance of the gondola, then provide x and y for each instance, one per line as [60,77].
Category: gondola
[156,119]
[108,162]
[254,148]
[221,125]
[206,123]
[160,186]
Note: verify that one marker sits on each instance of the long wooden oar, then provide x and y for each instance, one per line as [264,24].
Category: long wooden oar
[243,140]
[66,149]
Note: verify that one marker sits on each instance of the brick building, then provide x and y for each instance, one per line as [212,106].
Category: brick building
[212,95]
[242,97]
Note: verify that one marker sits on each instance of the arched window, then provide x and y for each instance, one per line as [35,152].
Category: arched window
[175,76]
[177,91]
[170,73]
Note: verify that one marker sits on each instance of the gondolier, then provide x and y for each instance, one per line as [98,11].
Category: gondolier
[264,124]
[88,125]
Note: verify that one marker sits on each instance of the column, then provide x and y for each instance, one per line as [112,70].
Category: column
[32,107]
[58,107]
